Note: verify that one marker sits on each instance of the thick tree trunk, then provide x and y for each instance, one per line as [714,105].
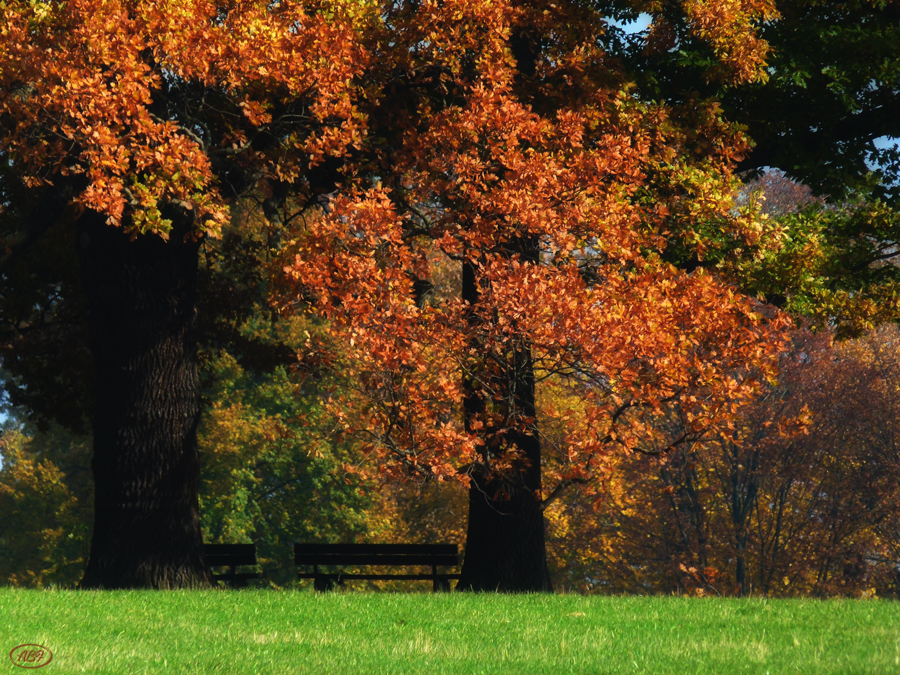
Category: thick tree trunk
[505,547]
[141,296]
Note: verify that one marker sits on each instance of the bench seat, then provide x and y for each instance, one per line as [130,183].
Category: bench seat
[232,556]
[376,555]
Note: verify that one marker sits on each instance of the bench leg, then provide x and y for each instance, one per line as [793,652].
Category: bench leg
[440,584]
[326,582]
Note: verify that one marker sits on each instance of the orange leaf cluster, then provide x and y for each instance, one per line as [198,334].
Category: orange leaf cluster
[144,100]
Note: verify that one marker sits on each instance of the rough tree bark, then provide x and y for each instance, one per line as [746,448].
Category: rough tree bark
[141,299]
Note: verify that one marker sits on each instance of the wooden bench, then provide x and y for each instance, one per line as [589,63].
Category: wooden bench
[365,555]
[232,556]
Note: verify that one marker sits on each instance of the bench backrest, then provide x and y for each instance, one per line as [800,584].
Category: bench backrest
[376,554]
[230,554]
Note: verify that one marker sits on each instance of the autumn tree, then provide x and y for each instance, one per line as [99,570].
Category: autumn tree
[127,127]
[515,150]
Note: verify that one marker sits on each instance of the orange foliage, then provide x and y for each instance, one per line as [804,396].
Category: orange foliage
[561,214]
[728,27]
[100,90]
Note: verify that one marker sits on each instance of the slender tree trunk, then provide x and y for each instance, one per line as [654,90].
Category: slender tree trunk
[744,485]
[141,298]
[505,546]
[740,565]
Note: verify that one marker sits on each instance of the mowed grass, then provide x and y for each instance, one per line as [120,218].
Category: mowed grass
[304,632]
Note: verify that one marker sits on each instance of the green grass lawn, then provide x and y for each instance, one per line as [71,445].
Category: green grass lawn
[302,632]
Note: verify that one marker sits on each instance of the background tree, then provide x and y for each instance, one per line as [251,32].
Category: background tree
[837,267]
[270,473]
[45,498]
[798,499]
[832,91]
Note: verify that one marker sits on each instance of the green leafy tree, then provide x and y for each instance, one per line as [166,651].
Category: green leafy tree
[46,497]
[269,475]
[833,87]
[837,267]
